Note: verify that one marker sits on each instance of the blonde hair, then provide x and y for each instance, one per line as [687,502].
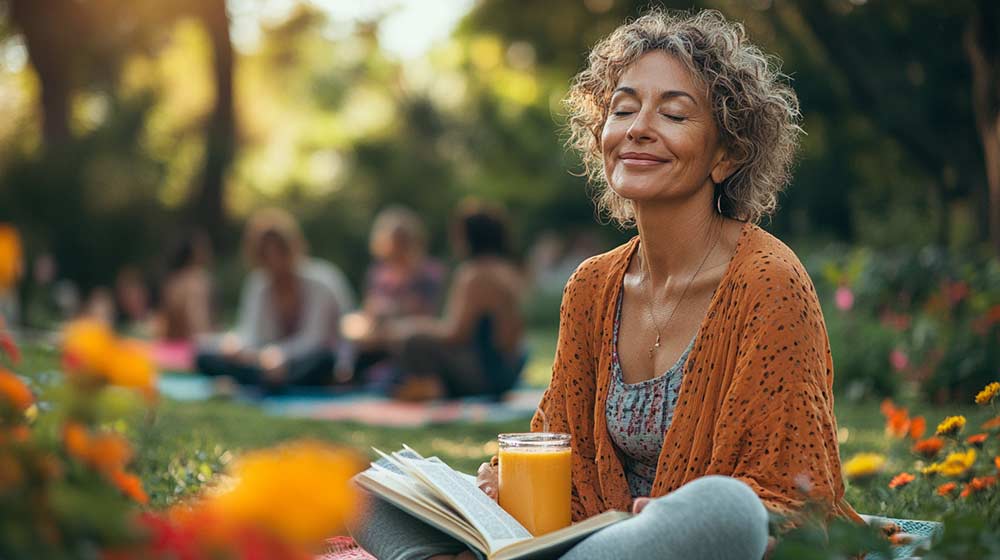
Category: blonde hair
[276,221]
[394,220]
[755,111]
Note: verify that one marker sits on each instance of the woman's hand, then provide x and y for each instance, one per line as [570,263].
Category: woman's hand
[639,504]
[488,480]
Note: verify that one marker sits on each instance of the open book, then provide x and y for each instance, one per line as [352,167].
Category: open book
[432,491]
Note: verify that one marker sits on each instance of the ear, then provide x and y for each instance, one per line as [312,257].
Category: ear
[723,168]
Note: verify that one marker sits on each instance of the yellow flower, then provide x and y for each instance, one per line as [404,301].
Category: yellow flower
[956,464]
[91,347]
[951,425]
[87,345]
[10,257]
[988,393]
[864,465]
[300,492]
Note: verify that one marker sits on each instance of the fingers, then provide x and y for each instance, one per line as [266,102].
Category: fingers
[639,504]
[486,479]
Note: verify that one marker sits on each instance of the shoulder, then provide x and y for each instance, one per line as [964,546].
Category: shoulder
[593,273]
[765,264]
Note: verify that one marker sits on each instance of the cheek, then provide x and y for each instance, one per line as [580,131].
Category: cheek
[610,137]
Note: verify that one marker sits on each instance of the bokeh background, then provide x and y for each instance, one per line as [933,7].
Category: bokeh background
[127,121]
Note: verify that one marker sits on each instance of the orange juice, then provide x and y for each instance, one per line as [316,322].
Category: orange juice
[535,482]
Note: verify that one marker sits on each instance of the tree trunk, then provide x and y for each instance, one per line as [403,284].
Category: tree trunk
[982,45]
[50,53]
[209,202]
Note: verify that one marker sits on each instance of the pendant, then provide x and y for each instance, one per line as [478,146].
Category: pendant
[652,349]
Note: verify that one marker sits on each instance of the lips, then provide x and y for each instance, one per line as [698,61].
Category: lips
[641,159]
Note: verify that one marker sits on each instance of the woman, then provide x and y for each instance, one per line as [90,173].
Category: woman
[186,299]
[475,349]
[402,282]
[693,368]
[289,313]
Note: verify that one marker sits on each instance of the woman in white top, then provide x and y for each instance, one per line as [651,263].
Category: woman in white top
[289,313]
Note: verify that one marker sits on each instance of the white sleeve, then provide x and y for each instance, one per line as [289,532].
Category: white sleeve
[251,304]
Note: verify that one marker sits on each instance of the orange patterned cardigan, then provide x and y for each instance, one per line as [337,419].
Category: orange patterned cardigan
[756,401]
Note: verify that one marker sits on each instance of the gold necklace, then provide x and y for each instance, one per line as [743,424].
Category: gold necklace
[649,308]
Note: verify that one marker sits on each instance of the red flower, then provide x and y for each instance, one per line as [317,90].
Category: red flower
[977,485]
[929,447]
[901,480]
[917,428]
[976,440]
[946,489]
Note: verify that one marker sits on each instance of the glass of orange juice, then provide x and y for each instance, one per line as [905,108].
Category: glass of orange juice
[534,480]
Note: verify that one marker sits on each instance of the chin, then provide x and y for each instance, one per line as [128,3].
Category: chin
[638,190]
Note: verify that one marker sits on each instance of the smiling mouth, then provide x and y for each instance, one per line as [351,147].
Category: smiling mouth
[641,160]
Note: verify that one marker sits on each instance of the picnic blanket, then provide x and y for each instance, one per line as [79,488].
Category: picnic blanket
[364,407]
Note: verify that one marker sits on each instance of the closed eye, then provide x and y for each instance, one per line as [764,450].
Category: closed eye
[675,118]
[622,113]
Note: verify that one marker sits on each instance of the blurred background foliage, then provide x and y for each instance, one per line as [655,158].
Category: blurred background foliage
[126,121]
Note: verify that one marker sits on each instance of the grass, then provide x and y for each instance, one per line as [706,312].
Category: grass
[184,445]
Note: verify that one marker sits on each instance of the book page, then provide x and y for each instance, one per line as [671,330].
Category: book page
[433,511]
[496,526]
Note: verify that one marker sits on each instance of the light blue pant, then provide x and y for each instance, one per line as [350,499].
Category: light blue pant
[713,517]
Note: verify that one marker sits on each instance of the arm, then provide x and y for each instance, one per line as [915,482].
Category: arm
[776,430]
[319,325]
[249,315]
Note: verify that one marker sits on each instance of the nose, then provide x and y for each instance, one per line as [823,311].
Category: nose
[640,130]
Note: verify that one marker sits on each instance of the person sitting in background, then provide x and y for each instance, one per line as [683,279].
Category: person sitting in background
[476,347]
[186,297]
[288,316]
[402,282]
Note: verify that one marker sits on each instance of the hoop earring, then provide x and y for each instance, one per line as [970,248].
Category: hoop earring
[718,203]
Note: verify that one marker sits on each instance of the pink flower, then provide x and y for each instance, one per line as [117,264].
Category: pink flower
[899,359]
[844,298]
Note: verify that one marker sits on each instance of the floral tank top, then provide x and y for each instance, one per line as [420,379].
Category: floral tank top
[638,415]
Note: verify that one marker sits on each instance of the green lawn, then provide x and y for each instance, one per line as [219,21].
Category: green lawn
[182,446]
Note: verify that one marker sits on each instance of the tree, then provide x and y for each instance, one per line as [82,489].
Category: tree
[87,49]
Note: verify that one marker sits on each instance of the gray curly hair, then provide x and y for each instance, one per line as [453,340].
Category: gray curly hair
[755,111]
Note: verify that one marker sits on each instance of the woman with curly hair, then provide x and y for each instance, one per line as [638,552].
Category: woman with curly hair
[693,367]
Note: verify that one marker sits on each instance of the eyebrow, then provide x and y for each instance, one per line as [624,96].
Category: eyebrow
[669,94]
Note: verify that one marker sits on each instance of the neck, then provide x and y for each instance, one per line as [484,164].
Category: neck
[677,235]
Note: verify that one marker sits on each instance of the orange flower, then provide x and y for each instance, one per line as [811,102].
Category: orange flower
[77,441]
[946,489]
[977,485]
[291,475]
[130,485]
[917,428]
[976,440]
[901,480]
[108,453]
[929,447]
[91,348]
[996,461]
[87,345]
[898,424]
[897,420]
[991,424]
[130,365]
[10,257]
[14,391]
